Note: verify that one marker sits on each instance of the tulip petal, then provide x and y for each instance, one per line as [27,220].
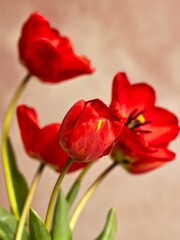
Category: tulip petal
[135,142]
[130,97]
[138,168]
[73,65]
[46,60]
[49,150]
[94,143]
[162,127]
[29,126]
[70,122]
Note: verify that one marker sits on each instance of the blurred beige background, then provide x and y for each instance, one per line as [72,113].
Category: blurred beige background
[136,36]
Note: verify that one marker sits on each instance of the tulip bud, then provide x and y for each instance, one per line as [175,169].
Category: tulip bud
[88,131]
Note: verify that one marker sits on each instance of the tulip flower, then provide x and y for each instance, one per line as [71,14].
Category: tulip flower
[47,54]
[42,143]
[148,129]
[88,131]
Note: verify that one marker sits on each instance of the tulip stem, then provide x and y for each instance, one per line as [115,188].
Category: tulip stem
[4,146]
[80,177]
[55,193]
[28,201]
[83,201]
[83,172]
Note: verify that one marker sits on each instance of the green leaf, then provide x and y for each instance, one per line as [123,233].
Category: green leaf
[8,226]
[110,228]
[37,227]
[60,227]
[73,193]
[19,182]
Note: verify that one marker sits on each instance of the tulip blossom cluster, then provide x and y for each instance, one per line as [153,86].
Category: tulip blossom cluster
[137,130]
[132,130]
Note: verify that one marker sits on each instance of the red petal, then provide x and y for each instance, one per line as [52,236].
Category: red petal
[70,122]
[87,143]
[144,164]
[120,88]
[29,126]
[36,26]
[162,154]
[73,65]
[137,168]
[163,126]
[43,60]
[46,145]
[135,142]
[141,148]
[126,97]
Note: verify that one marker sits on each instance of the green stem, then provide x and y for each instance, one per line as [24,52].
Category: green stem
[28,202]
[55,193]
[84,171]
[6,160]
[83,201]
[80,177]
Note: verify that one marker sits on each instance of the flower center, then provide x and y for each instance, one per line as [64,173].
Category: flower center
[139,120]
[136,119]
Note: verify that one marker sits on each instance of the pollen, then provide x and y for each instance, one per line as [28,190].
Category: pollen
[99,124]
[140,118]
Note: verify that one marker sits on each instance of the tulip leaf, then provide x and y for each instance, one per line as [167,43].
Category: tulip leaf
[73,193]
[8,226]
[19,182]
[37,227]
[61,229]
[110,228]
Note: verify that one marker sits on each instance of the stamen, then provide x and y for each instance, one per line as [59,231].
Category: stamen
[140,124]
[141,119]
[131,117]
[136,119]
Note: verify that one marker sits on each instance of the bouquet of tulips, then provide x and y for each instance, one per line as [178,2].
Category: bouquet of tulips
[132,130]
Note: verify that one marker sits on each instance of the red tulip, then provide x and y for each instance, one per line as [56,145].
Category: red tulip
[88,131]
[147,131]
[47,54]
[42,143]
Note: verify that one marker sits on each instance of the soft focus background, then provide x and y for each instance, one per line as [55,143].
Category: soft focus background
[136,36]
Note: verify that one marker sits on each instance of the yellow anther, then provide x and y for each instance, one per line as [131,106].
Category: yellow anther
[140,118]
